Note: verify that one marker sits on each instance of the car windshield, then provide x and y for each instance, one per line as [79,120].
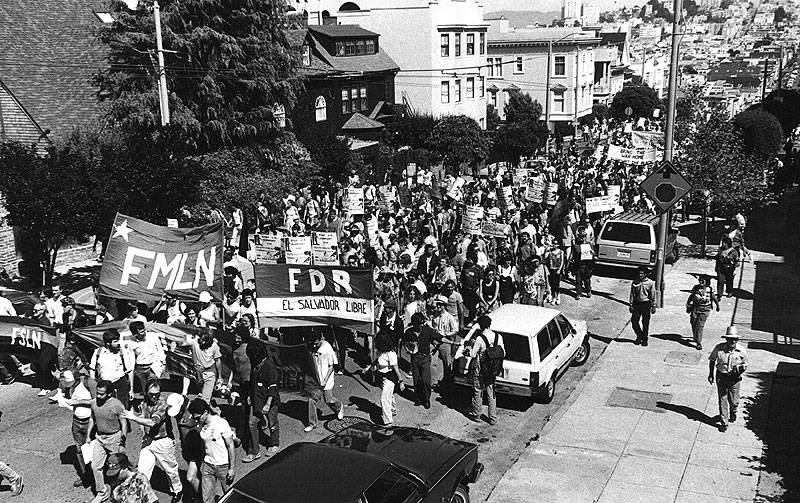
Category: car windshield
[517,347]
[627,232]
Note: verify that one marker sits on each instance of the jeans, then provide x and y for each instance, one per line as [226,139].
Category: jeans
[142,374]
[273,429]
[698,321]
[641,311]
[477,398]
[122,387]
[388,406]
[80,434]
[725,282]
[555,284]
[446,355]
[212,477]
[7,473]
[105,445]
[207,379]
[583,279]
[161,452]
[314,397]
[421,373]
[728,393]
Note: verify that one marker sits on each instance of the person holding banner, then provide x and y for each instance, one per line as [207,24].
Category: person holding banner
[151,360]
[114,363]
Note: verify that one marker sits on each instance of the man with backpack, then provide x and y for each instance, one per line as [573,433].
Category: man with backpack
[487,350]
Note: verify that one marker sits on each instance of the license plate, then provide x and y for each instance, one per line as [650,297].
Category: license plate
[624,253]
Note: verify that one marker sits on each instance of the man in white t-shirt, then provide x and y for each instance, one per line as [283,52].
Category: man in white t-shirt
[324,358]
[6,307]
[220,457]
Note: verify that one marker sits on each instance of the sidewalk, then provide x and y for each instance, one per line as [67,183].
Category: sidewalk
[641,428]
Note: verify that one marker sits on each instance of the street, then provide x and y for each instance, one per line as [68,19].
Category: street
[35,434]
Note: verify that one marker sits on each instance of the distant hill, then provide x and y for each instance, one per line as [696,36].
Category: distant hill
[523,18]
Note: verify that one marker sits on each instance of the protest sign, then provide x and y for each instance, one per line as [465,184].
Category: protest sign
[633,155]
[535,189]
[372,231]
[505,196]
[339,296]
[472,219]
[493,229]
[615,191]
[386,198]
[600,204]
[298,250]
[551,193]
[405,196]
[268,248]
[354,201]
[454,192]
[647,139]
[172,222]
[143,261]
[324,248]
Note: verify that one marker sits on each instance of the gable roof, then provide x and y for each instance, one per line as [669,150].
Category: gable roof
[359,122]
[48,55]
[341,30]
[325,64]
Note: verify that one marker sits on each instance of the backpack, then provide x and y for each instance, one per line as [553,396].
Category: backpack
[492,359]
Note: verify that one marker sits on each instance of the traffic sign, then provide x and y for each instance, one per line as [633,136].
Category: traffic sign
[666,185]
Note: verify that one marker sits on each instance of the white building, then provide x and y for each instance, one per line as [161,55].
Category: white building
[440,46]
[570,10]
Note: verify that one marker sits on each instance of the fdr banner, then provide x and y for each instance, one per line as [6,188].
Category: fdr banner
[339,296]
[143,261]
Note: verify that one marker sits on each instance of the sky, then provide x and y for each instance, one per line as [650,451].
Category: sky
[551,5]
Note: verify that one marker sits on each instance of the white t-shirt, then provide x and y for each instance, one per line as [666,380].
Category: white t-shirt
[324,360]
[6,307]
[386,362]
[214,433]
[81,393]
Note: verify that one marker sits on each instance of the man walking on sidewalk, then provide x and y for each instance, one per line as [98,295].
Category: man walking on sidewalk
[642,305]
[728,360]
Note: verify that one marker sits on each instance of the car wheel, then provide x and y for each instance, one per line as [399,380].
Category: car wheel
[549,391]
[581,355]
[461,495]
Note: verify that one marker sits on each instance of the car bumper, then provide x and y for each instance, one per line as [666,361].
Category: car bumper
[503,387]
[476,472]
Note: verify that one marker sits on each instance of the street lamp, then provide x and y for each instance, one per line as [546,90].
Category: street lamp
[547,84]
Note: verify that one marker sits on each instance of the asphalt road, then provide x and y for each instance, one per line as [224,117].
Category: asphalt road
[35,435]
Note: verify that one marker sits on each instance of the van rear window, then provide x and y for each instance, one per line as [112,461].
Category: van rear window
[517,347]
[626,232]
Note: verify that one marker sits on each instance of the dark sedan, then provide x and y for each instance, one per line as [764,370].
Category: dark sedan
[365,463]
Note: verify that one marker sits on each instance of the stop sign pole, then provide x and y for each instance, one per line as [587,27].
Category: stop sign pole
[668,141]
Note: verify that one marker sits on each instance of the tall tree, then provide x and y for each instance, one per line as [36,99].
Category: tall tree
[522,134]
[231,65]
[761,130]
[641,99]
[457,140]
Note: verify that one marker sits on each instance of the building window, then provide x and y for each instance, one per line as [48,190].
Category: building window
[279,114]
[560,66]
[498,67]
[482,44]
[340,48]
[363,96]
[558,101]
[470,87]
[518,65]
[470,44]
[445,91]
[306,55]
[457,90]
[481,90]
[347,107]
[493,99]
[482,123]
[361,46]
[354,99]
[458,44]
[490,66]
[321,108]
[445,45]
[370,46]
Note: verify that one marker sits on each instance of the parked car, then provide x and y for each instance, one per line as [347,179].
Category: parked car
[365,463]
[630,239]
[540,344]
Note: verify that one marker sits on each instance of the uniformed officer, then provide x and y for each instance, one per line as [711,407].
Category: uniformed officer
[727,362]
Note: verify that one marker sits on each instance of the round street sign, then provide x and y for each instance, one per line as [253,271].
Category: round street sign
[628,111]
[665,193]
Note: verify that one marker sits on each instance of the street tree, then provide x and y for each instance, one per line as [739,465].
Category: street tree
[784,104]
[410,129]
[231,65]
[762,132]
[492,117]
[457,140]
[521,134]
[641,99]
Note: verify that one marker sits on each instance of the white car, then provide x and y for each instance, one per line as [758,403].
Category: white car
[540,344]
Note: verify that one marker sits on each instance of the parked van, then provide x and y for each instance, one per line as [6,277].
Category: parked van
[540,344]
[630,239]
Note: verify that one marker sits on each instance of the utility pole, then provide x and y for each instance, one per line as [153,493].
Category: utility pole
[668,145]
[547,95]
[163,95]
[780,71]
[764,82]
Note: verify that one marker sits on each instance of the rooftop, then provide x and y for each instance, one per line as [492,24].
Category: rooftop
[341,31]
[542,35]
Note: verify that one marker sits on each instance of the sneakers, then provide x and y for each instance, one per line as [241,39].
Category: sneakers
[251,457]
[309,427]
[43,392]
[177,497]
[340,414]
[273,450]
[17,486]
[55,397]
[732,419]
[699,347]
[723,428]
[78,482]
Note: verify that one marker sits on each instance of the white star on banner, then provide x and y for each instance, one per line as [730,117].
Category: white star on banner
[122,230]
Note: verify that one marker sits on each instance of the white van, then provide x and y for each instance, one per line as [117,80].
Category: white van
[540,343]
[630,239]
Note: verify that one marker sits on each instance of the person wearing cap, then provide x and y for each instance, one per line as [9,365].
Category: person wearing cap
[114,363]
[151,360]
[219,462]
[417,341]
[109,426]
[129,485]
[698,305]
[726,364]
[209,312]
[158,439]
[14,478]
[444,323]
[642,302]
[80,402]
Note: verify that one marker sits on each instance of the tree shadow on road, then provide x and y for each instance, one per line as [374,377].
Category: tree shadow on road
[690,413]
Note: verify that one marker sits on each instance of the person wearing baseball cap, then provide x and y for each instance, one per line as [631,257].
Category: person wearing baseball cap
[726,364]
[126,482]
[446,325]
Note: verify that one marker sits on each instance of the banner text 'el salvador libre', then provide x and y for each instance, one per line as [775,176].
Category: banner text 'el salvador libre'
[143,261]
[339,296]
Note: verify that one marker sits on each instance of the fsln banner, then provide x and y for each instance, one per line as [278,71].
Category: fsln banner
[143,261]
[339,296]
[24,337]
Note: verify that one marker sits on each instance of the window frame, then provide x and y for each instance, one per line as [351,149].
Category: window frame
[482,43]
[482,86]
[457,90]
[498,66]
[562,63]
[444,43]
[470,44]
[559,97]
[470,88]
[444,90]
[306,55]
[347,106]
[457,44]
[519,65]
[321,108]
[490,67]
[370,46]
[493,99]
[362,96]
